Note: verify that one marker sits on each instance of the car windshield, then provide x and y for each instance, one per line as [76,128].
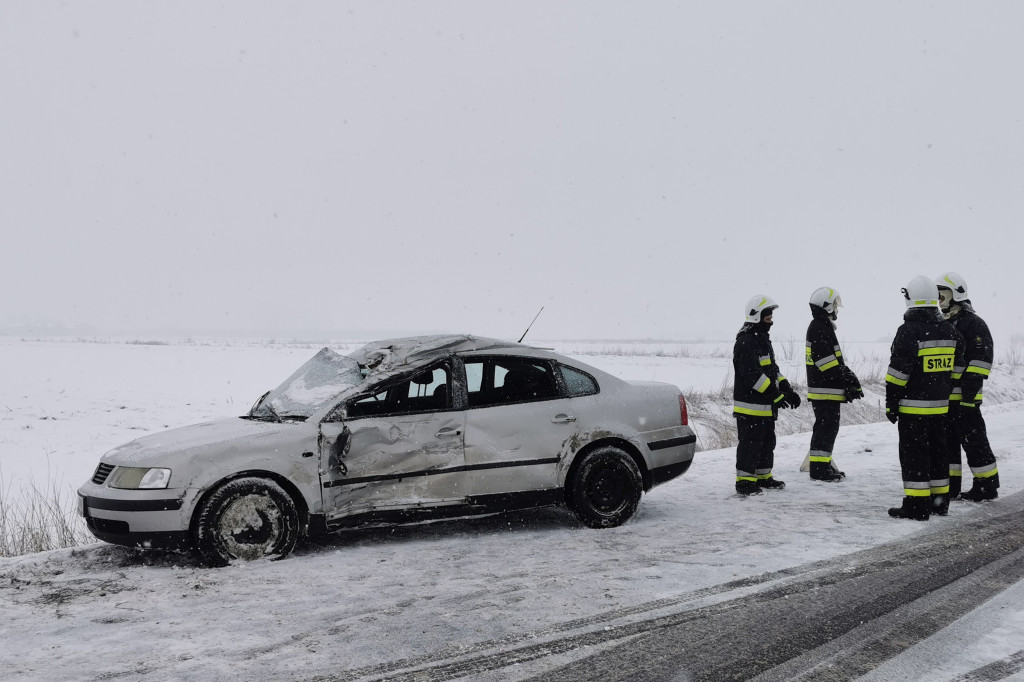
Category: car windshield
[310,388]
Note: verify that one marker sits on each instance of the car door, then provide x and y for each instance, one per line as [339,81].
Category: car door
[400,445]
[518,425]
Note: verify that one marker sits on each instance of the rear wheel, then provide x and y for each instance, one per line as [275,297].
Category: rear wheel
[245,519]
[606,488]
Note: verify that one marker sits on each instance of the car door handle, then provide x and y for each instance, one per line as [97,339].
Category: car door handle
[563,419]
[448,433]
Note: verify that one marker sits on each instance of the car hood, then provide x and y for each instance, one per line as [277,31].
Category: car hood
[209,439]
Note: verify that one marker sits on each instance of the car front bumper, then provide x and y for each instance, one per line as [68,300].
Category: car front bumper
[137,518]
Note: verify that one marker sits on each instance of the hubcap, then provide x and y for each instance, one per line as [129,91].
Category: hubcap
[250,526]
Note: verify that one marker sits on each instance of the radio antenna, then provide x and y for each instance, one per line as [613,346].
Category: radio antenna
[530,325]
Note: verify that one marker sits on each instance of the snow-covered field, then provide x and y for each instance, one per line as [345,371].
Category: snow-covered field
[425,593]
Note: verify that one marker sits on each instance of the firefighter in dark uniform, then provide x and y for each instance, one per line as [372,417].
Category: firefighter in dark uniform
[758,393]
[917,389]
[965,425]
[830,382]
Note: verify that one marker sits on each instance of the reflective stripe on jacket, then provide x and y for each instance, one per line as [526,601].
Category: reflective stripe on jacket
[758,384]
[924,354]
[826,368]
[979,351]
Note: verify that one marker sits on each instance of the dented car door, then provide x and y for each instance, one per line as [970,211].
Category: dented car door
[398,446]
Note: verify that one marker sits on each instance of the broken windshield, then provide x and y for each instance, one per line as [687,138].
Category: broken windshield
[310,388]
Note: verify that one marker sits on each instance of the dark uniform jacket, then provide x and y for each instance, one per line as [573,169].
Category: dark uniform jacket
[759,385]
[978,353]
[828,377]
[924,354]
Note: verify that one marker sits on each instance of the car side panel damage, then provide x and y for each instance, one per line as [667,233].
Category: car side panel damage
[389,462]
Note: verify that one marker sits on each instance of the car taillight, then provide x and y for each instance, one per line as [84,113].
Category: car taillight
[682,410]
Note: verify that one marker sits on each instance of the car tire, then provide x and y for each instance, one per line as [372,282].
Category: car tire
[606,488]
[245,519]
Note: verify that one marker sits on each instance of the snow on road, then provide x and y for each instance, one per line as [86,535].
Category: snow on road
[365,598]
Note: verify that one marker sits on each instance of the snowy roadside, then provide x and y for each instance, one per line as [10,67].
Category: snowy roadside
[365,598]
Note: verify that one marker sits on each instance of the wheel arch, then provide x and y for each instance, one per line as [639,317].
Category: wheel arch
[290,488]
[620,443]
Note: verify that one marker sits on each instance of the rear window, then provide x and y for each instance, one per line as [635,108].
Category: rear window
[578,383]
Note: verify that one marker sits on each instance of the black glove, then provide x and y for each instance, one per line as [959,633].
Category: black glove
[791,399]
[892,416]
[852,384]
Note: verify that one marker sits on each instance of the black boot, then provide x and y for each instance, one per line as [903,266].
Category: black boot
[983,489]
[916,508]
[770,483]
[748,488]
[826,471]
[940,504]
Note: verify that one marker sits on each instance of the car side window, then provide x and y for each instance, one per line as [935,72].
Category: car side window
[577,382]
[504,380]
[426,391]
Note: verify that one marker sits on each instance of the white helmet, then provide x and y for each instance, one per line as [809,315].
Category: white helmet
[955,283]
[758,306]
[921,293]
[827,299]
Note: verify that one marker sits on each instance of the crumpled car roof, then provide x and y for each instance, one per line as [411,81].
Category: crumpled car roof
[384,355]
[328,375]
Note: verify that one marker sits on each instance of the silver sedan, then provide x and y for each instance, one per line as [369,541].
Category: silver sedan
[400,430]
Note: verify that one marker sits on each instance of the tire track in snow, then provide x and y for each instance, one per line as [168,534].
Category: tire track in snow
[860,651]
[876,606]
[382,670]
[661,640]
[997,670]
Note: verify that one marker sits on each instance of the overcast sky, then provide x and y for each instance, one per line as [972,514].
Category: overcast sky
[638,169]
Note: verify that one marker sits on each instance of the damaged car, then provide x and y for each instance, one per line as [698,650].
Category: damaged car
[400,430]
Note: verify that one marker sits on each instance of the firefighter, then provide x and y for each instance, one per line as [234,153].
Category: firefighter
[830,382]
[758,393]
[917,389]
[965,425]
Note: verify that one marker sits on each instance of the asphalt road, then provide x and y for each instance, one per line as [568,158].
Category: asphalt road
[836,624]
[826,621]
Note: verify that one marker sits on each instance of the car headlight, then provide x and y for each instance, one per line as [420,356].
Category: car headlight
[139,478]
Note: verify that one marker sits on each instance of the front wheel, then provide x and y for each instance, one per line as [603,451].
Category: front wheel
[606,488]
[245,519]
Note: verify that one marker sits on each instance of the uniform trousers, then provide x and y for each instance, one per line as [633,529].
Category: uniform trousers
[966,427]
[755,452]
[923,454]
[826,425]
